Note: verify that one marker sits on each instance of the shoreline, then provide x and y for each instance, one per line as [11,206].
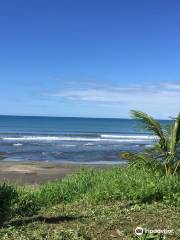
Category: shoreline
[38,172]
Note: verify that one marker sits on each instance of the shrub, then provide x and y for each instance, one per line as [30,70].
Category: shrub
[8,196]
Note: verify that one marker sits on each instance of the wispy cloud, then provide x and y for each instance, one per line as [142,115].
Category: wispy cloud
[171,86]
[118,94]
[162,99]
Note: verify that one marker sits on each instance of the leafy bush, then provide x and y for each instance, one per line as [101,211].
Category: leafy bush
[8,196]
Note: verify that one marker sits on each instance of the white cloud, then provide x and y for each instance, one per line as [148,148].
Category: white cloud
[161,99]
[171,86]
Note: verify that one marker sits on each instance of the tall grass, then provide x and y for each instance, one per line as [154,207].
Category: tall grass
[140,182]
[70,188]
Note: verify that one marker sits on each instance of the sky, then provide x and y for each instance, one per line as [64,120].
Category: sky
[93,58]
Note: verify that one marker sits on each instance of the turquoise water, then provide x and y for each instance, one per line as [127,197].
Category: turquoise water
[85,140]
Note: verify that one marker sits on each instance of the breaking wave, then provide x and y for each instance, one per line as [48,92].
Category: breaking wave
[83,138]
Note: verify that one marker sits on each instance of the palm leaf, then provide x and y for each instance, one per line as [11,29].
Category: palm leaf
[175,135]
[177,128]
[152,125]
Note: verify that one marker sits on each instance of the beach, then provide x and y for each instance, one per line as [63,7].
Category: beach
[35,172]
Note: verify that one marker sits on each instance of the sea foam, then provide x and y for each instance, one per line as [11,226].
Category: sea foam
[101,137]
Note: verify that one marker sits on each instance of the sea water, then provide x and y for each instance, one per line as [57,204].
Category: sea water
[77,140]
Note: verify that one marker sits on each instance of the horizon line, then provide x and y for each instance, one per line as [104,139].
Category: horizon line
[51,116]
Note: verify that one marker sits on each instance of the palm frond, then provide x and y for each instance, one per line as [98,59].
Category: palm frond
[177,128]
[174,135]
[152,125]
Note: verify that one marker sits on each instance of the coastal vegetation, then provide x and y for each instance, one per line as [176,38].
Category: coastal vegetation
[93,204]
[102,203]
[167,148]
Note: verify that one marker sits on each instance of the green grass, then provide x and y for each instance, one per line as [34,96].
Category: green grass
[97,204]
[82,220]
[139,183]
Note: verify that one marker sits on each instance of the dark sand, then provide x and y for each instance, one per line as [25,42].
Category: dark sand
[37,172]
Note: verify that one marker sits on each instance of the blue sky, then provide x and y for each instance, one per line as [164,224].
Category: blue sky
[97,58]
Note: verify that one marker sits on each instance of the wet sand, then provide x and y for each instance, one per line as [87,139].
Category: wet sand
[37,172]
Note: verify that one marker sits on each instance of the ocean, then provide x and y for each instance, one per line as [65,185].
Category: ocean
[74,140]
